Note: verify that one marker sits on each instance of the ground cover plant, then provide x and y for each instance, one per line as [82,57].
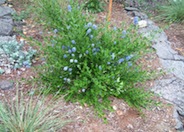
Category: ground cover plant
[90,63]
[173,11]
[31,114]
[14,55]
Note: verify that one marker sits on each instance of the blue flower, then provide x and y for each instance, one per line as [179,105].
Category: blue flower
[136,19]
[128,57]
[65,68]
[73,42]
[115,28]
[115,42]
[94,50]
[91,36]
[63,47]
[92,45]
[94,26]
[69,51]
[71,60]
[70,69]
[89,24]
[75,61]
[73,55]
[129,64]
[69,8]
[55,31]
[64,56]
[68,80]
[64,79]
[123,34]
[108,63]
[83,90]
[88,31]
[113,56]
[100,67]
[74,49]
[87,52]
[120,60]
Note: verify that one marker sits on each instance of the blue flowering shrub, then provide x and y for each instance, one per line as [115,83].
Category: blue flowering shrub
[90,63]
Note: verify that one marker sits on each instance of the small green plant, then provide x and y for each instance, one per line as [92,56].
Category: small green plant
[20,16]
[89,63]
[13,53]
[94,6]
[172,12]
[33,115]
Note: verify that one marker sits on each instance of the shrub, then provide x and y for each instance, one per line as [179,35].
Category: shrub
[94,6]
[172,12]
[89,63]
[34,115]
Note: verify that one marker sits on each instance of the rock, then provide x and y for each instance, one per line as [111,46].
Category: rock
[175,67]
[114,107]
[131,9]
[141,15]
[129,126]
[7,38]
[5,29]
[179,124]
[7,19]
[6,11]
[2,2]
[171,89]
[6,85]
[142,24]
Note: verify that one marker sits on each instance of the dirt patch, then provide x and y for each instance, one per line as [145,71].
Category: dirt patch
[123,118]
[175,35]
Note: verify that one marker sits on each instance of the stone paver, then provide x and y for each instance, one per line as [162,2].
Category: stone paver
[6,85]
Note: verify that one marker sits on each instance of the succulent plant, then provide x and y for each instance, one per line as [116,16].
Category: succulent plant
[13,55]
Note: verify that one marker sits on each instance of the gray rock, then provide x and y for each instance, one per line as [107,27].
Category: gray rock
[7,19]
[179,125]
[131,9]
[175,67]
[169,58]
[2,2]
[173,90]
[6,85]
[7,38]
[141,15]
[6,11]
[5,29]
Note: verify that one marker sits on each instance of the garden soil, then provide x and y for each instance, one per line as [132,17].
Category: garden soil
[157,118]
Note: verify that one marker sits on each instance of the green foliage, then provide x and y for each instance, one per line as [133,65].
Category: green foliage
[89,63]
[20,16]
[29,115]
[94,6]
[172,12]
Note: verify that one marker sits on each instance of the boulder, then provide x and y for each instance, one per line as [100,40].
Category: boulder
[6,85]
[2,2]
[5,29]
[6,11]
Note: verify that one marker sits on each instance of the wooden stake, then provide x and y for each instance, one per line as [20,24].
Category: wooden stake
[110,10]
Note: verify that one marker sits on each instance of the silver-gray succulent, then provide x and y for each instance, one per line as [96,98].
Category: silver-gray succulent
[13,55]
